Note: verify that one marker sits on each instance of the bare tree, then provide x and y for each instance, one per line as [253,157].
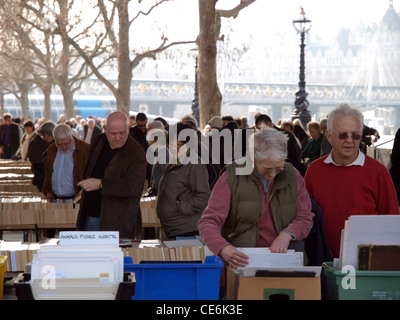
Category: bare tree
[102,40]
[36,55]
[69,80]
[119,47]
[62,66]
[210,25]
[15,79]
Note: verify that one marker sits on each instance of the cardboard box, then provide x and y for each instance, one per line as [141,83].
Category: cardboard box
[272,288]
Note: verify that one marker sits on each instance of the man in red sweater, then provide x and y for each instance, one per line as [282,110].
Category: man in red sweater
[346,181]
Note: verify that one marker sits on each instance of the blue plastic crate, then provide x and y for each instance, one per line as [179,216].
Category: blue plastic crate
[176,280]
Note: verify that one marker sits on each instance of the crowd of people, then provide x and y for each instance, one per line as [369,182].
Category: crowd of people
[230,184]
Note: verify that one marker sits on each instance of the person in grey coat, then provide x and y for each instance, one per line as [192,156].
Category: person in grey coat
[183,190]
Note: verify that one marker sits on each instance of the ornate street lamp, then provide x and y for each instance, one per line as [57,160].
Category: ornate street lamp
[195,101]
[302,24]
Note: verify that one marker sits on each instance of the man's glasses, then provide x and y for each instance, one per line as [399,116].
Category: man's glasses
[344,136]
[63,144]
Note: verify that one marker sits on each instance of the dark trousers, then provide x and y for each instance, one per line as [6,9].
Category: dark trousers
[6,152]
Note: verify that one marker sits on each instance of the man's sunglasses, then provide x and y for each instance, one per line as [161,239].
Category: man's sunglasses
[344,136]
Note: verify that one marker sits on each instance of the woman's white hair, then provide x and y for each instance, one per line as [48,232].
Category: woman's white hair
[154,134]
[269,143]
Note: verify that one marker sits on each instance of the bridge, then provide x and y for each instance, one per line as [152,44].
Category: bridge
[172,98]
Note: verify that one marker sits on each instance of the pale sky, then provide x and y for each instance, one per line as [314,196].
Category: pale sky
[259,23]
[327,16]
[270,16]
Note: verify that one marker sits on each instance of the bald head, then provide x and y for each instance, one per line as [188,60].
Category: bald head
[117,129]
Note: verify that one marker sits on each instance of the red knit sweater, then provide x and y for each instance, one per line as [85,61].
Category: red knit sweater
[344,191]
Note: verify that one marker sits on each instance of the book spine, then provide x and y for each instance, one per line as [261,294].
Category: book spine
[363,258]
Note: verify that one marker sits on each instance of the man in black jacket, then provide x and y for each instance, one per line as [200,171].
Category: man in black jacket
[90,130]
[9,137]
[37,151]
[366,138]
[139,133]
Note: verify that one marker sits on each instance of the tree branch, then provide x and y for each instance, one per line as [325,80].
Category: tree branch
[152,53]
[234,12]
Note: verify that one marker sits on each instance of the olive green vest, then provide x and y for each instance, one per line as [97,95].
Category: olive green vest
[246,205]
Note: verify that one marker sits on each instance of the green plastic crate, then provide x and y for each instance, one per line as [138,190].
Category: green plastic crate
[369,285]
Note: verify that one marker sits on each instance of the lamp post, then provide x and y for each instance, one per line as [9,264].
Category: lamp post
[195,101]
[302,24]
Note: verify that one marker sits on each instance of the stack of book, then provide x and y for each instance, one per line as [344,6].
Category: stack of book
[262,262]
[148,209]
[88,272]
[177,250]
[19,254]
[371,242]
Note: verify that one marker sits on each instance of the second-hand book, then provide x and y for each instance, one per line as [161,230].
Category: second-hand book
[378,257]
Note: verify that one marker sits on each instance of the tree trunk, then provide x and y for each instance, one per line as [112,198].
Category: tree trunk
[47,102]
[63,78]
[24,104]
[69,108]
[209,95]
[1,102]
[23,99]
[124,63]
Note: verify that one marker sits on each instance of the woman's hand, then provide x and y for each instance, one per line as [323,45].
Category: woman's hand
[234,257]
[281,243]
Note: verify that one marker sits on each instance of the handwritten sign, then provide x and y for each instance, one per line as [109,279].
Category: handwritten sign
[76,238]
